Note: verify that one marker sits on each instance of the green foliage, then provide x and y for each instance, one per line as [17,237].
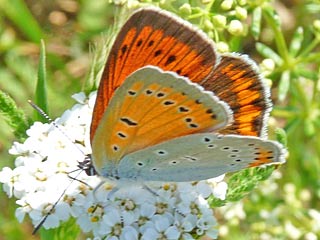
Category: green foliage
[242,183]
[23,18]
[14,116]
[41,88]
[67,231]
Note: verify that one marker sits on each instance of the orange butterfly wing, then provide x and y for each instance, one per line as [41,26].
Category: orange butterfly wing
[151,107]
[153,37]
[237,82]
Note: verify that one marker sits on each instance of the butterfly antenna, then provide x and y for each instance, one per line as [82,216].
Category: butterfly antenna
[84,165]
[45,115]
[54,205]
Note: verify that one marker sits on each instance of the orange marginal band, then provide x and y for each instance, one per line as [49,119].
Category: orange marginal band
[236,81]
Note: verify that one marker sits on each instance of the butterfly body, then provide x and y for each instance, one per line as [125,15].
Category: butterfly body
[169,108]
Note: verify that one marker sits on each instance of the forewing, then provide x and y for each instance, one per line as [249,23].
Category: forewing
[153,37]
[151,107]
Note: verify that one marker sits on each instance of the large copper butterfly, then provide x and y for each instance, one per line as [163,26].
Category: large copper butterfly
[169,108]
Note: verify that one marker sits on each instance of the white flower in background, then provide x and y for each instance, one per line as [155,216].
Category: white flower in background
[47,163]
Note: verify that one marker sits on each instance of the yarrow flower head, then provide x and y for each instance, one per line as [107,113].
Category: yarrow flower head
[46,167]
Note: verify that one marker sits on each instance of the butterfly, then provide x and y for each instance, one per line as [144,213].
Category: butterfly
[170,108]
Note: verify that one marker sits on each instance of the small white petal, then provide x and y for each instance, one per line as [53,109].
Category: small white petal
[79,97]
[172,232]
[129,233]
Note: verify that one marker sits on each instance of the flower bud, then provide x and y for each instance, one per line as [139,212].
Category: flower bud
[226,5]
[241,13]
[235,28]
[219,21]
[185,9]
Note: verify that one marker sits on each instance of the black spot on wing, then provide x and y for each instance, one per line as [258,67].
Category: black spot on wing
[183,109]
[131,92]
[139,43]
[157,53]
[121,135]
[168,102]
[124,49]
[128,121]
[149,92]
[170,59]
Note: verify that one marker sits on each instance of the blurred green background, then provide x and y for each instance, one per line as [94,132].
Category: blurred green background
[285,206]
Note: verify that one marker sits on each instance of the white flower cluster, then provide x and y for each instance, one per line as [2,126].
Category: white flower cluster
[48,161]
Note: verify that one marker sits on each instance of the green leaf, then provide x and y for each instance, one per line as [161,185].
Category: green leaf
[242,183]
[256,22]
[271,14]
[41,88]
[284,85]
[267,52]
[273,21]
[67,231]
[18,12]
[309,127]
[296,42]
[281,136]
[14,117]
[306,73]
[216,202]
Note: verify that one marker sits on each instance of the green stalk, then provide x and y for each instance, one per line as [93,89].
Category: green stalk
[41,87]
[279,39]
